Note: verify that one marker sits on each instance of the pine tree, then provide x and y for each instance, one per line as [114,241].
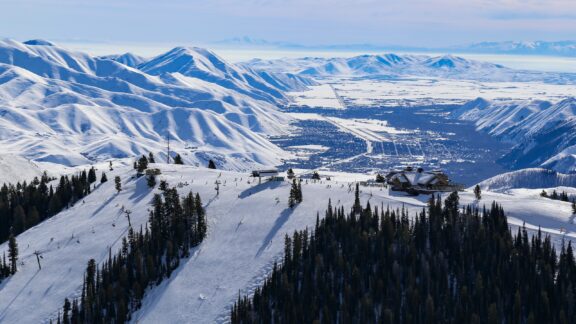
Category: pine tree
[554,195]
[299,191]
[178,160]
[163,185]
[292,199]
[151,180]
[544,194]
[118,183]
[103,177]
[142,165]
[211,165]
[91,175]
[477,192]
[315,175]
[65,311]
[13,253]
[151,158]
[380,178]
[290,173]
[574,206]
[357,208]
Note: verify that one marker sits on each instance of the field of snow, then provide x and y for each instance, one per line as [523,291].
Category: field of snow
[247,224]
[322,96]
[422,91]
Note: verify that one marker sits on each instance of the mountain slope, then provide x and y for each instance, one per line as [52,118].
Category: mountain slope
[533,178]
[71,108]
[543,133]
[203,64]
[236,256]
[128,59]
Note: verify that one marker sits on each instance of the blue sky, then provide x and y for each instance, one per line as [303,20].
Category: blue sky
[422,23]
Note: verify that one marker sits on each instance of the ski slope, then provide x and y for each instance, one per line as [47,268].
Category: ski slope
[247,225]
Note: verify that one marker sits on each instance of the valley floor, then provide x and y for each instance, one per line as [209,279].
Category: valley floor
[247,224]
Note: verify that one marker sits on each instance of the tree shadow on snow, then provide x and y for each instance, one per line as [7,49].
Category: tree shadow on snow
[260,187]
[280,221]
[141,190]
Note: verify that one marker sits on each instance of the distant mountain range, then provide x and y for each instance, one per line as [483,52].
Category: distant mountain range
[71,108]
[559,48]
[391,65]
[563,48]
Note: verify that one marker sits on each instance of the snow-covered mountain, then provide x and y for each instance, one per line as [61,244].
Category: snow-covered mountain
[543,133]
[562,48]
[205,65]
[532,178]
[69,107]
[129,59]
[392,65]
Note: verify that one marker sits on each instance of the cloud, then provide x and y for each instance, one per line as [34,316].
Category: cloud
[411,22]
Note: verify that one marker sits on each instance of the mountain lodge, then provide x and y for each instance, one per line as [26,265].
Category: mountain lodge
[418,181]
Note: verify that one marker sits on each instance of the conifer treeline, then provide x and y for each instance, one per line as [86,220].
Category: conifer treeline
[446,266]
[26,204]
[562,196]
[8,269]
[114,290]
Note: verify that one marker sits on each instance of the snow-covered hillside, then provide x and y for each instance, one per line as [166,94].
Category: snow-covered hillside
[67,107]
[544,133]
[247,225]
[386,66]
[14,168]
[528,178]
[129,59]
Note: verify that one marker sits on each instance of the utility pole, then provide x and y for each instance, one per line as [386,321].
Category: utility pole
[128,212]
[168,149]
[38,259]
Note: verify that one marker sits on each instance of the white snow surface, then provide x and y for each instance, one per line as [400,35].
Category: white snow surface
[14,168]
[247,225]
[129,59]
[528,178]
[544,132]
[70,108]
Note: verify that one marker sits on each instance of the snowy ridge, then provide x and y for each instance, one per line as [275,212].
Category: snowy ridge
[393,65]
[128,59]
[71,108]
[533,178]
[206,65]
[544,133]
